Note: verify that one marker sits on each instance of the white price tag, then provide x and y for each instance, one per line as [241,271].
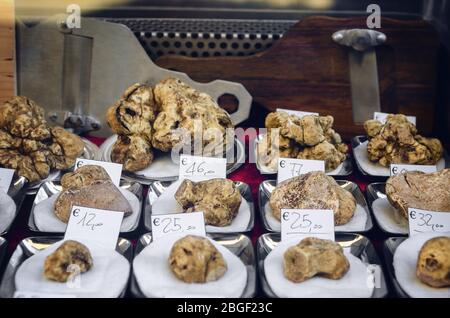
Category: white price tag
[199,168]
[400,168]
[113,169]
[6,176]
[296,112]
[94,225]
[167,224]
[302,223]
[422,221]
[289,168]
[27,294]
[382,117]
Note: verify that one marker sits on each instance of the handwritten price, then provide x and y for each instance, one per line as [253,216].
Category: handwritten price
[301,221]
[196,168]
[87,220]
[171,225]
[425,220]
[295,168]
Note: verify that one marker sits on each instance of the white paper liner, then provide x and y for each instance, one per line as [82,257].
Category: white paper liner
[106,279]
[405,261]
[356,224]
[46,220]
[7,211]
[389,219]
[354,284]
[155,279]
[375,169]
[166,204]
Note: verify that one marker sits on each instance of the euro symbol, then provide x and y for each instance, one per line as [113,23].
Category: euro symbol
[156,222]
[282,163]
[412,214]
[183,162]
[75,212]
[286,216]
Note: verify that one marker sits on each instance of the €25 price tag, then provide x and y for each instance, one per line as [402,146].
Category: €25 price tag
[197,168]
[94,225]
[168,224]
[302,223]
[289,168]
[297,113]
[113,169]
[423,221]
[6,176]
[381,117]
[400,168]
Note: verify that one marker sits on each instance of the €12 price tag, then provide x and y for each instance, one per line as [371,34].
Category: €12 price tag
[168,224]
[297,113]
[423,221]
[289,168]
[400,168]
[6,176]
[197,168]
[302,223]
[381,117]
[113,169]
[94,225]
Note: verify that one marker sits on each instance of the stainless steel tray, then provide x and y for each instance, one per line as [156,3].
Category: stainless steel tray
[52,187]
[3,246]
[346,170]
[239,244]
[105,155]
[389,247]
[158,187]
[360,246]
[90,152]
[266,188]
[17,191]
[29,246]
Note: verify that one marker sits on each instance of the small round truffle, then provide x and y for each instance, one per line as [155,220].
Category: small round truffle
[433,263]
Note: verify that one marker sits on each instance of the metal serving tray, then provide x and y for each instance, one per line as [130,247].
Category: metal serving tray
[3,245]
[266,187]
[17,191]
[389,248]
[52,187]
[158,187]
[360,246]
[29,246]
[346,170]
[239,244]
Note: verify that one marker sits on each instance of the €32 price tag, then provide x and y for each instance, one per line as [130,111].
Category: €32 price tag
[169,224]
[302,223]
[94,225]
[113,169]
[401,168]
[381,117]
[289,168]
[297,113]
[6,176]
[197,168]
[423,221]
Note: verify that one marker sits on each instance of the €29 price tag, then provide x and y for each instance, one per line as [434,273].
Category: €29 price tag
[169,224]
[289,168]
[6,176]
[302,223]
[113,169]
[94,225]
[381,117]
[423,221]
[400,168]
[31,294]
[297,113]
[197,168]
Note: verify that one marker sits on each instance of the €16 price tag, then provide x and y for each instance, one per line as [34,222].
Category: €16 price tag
[297,113]
[113,169]
[422,221]
[168,224]
[94,225]
[6,176]
[197,168]
[400,168]
[381,117]
[302,223]
[289,168]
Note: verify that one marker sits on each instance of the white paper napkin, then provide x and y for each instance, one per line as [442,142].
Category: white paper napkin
[166,204]
[405,261]
[46,220]
[7,211]
[389,219]
[155,279]
[106,279]
[354,284]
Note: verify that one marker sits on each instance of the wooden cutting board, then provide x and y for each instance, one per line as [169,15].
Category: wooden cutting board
[306,70]
[7,51]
